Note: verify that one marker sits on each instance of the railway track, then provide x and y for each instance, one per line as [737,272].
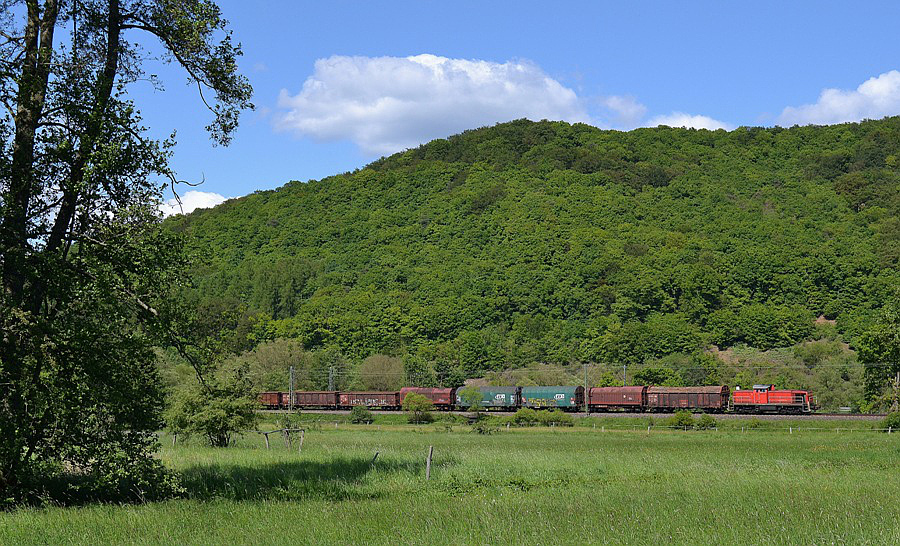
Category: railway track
[761,417]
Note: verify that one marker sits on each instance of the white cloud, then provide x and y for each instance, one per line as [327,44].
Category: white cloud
[386,104]
[875,98]
[190,201]
[626,111]
[680,119]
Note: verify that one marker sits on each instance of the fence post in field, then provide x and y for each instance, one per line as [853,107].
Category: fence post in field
[266,436]
[174,438]
[790,430]
[374,458]
[648,429]
[428,463]
[300,446]
[889,429]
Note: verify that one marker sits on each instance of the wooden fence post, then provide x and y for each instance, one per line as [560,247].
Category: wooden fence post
[428,463]
[266,436]
[174,438]
[300,448]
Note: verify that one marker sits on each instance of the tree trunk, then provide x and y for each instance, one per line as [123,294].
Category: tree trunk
[14,232]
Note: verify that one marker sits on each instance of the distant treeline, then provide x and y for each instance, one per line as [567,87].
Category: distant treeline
[545,242]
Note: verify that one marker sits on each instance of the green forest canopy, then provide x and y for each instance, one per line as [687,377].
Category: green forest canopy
[545,242]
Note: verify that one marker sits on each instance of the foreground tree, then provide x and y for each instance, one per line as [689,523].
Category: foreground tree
[418,408]
[83,262]
[879,351]
[217,409]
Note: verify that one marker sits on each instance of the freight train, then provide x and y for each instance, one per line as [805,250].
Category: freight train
[640,398]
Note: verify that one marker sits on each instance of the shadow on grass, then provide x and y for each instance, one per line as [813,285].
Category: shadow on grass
[339,479]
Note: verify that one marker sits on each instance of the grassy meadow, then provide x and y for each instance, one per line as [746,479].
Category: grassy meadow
[538,485]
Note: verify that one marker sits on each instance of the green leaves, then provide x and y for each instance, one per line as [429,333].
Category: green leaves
[552,243]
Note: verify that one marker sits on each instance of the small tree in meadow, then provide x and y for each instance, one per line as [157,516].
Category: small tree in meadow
[418,408]
[525,417]
[705,422]
[555,418]
[682,419]
[892,422]
[471,398]
[220,408]
[361,415]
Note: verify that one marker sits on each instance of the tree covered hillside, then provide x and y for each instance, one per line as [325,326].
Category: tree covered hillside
[552,243]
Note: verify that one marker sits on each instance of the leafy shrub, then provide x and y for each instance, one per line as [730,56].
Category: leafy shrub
[288,420]
[483,426]
[892,421]
[525,417]
[361,415]
[226,407]
[753,423]
[471,399]
[682,419]
[705,422]
[555,417]
[418,408]
[451,418]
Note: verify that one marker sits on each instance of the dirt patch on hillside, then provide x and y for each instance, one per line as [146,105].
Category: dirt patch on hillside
[822,320]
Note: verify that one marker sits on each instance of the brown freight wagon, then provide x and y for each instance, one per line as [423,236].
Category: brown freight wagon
[272,399]
[441,398]
[617,398]
[706,398]
[316,399]
[383,400]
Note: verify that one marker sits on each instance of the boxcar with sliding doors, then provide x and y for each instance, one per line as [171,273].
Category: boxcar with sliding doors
[565,398]
[711,399]
[442,399]
[617,398]
[494,398]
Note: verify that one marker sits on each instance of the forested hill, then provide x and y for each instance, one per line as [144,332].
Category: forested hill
[548,242]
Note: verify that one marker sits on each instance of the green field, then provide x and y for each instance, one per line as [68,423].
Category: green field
[522,486]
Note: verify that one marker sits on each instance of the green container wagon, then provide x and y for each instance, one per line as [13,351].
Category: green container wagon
[571,398]
[494,397]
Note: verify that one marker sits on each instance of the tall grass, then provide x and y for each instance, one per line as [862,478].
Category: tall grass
[575,485]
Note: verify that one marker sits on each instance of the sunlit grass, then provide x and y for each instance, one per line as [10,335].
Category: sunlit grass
[549,486]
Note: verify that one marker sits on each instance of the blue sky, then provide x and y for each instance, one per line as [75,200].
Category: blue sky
[337,84]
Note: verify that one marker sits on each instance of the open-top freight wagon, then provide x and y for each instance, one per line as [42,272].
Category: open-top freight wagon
[370,399]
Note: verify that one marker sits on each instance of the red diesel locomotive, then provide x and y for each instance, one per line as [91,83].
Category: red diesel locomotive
[766,399]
